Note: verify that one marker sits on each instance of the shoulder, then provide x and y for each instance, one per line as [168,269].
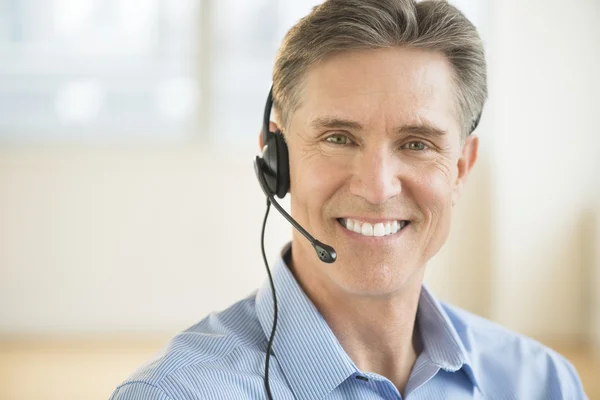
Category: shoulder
[508,362]
[221,342]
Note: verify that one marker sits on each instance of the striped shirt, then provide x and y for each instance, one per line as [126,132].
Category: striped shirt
[463,357]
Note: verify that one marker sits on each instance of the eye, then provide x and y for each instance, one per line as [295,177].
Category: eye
[338,138]
[416,146]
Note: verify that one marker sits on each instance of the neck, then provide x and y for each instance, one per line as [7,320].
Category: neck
[376,331]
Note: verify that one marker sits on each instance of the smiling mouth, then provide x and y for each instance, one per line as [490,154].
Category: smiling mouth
[379,229]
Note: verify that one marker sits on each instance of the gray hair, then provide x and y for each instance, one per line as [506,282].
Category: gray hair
[339,25]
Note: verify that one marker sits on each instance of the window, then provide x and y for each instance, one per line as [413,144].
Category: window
[92,69]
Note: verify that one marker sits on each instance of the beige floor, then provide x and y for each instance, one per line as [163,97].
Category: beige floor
[89,369]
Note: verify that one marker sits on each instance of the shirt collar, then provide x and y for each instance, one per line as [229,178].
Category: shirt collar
[441,342]
[305,346]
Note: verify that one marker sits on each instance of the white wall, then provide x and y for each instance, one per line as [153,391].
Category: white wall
[126,239]
[595,281]
[594,315]
[544,87]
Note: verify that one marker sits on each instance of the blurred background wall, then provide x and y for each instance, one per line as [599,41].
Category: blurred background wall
[128,203]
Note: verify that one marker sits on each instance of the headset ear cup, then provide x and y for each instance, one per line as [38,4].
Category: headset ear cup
[283,166]
[269,168]
[276,168]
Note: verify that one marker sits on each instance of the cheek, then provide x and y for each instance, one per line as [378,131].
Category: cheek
[314,178]
[437,175]
[432,190]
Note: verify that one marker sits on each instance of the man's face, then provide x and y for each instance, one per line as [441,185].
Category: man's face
[375,147]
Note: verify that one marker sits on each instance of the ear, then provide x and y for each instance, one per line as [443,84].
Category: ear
[465,164]
[272,128]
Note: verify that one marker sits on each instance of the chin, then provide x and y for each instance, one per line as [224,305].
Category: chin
[374,279]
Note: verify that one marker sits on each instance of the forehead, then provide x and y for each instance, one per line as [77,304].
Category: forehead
[396,85]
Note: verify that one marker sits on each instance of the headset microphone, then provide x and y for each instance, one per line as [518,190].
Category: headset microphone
[325,252]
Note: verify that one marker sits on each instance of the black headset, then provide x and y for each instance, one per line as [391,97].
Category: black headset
[274,164]
[273,173]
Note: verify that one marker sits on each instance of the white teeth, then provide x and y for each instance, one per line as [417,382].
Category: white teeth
[367,229]
[378,229]
[395,227]
[349,224]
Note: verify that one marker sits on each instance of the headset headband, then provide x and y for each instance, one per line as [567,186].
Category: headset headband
[266,133]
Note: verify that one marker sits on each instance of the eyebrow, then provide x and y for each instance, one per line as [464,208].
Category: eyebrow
[425,129]
[335,123]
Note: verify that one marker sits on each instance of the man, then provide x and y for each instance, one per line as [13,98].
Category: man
[376,100]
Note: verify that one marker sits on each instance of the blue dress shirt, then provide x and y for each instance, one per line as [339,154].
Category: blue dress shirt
[463,357]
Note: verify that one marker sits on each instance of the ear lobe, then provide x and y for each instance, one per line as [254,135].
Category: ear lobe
[273,126]
[465,164]
[260,141]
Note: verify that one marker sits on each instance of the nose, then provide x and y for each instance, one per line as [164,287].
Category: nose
[376,176]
